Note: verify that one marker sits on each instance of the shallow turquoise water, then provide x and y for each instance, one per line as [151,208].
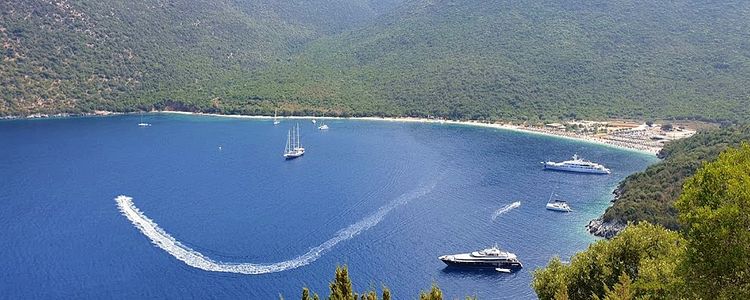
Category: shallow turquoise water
[64,236]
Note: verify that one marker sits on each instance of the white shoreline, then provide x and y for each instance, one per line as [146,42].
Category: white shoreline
[592,140]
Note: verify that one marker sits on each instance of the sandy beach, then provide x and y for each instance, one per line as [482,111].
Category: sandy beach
[631,146]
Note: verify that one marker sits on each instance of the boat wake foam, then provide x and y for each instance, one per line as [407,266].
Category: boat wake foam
[505,209]
[195,259]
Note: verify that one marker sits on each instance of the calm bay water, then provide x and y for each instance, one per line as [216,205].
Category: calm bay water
[63,236]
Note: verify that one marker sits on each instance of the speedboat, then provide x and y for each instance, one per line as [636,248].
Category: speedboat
[492,258]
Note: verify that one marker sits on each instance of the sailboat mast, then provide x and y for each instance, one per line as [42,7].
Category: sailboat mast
[294,138]
[288,141]
[298,143]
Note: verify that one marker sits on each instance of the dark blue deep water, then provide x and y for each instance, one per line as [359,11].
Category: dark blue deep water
[63,236]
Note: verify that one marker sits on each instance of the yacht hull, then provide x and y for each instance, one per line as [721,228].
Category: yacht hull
[560,209]
[293,155]
[482,264]
[574,170]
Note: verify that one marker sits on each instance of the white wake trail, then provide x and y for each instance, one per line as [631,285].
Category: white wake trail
[505,209]
[193,258]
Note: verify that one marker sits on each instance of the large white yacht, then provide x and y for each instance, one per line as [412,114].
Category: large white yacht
[577,164]
[488,258]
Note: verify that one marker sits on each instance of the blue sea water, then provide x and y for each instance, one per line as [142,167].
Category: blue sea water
[63,236]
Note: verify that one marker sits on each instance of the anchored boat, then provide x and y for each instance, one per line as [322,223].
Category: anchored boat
[492,258]
[293,148]
[557,204]
[578,165]
[143,124]
[275,119]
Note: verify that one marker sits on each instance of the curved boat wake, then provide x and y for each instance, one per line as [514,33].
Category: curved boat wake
[195,259]
[505,209]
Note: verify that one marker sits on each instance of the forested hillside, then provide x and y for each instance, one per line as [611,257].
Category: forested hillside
[82,55]
[650,195]
[491,59]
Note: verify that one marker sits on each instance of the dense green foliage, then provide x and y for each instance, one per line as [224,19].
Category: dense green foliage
[650,195]
[644,252]
[488,59]
[341,289]
[433,294]
[708,259]
[121,55]
[715,206]
[341,286]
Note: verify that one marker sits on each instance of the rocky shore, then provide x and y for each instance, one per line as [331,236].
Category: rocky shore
[600,228]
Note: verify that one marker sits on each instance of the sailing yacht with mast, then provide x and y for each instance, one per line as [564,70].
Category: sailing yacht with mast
[143,124]
[275,119]
[557,204]
[293,148]
[323,126]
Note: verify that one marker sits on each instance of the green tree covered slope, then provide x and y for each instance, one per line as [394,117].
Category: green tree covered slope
[491,59]
[706,259]
[650,195]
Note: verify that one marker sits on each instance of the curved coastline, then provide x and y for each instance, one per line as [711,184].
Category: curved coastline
[652,151]
[643,149]
[596,227]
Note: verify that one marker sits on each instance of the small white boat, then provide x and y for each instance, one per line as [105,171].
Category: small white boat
[143,124]
[501,270]
[275,120]
[293,148]
[322,126]
[313,121]
[557,205]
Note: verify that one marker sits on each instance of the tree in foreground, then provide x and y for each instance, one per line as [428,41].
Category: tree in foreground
[386,293]
[341,288]
[306,295]
[715,215]
[710,259]
[433,294]
[647,255]
[621,291]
